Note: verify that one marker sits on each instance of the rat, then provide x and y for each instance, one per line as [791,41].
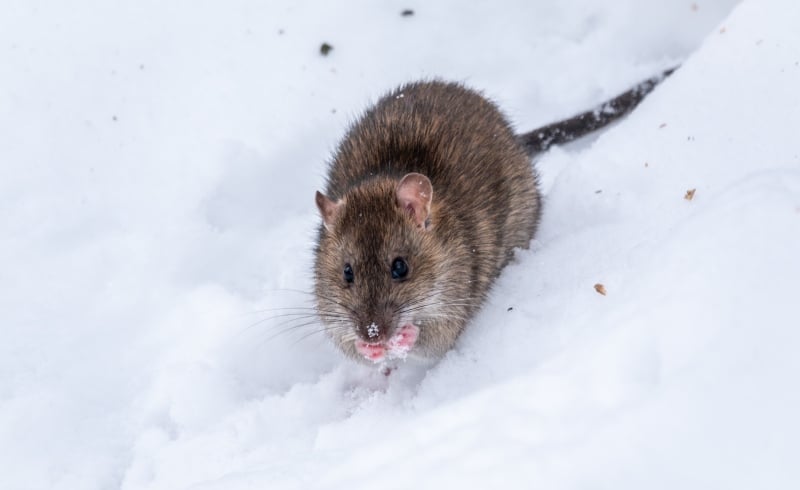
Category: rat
[428,195]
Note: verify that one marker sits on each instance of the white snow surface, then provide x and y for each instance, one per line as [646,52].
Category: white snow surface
[158,162]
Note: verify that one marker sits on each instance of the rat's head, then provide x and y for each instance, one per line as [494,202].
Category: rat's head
[377,268]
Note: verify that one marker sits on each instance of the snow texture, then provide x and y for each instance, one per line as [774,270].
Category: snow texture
[158,162]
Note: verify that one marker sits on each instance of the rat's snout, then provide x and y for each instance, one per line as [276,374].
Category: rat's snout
[375,328]
[372,333]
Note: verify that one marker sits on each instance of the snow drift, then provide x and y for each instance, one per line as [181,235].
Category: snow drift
[156,187]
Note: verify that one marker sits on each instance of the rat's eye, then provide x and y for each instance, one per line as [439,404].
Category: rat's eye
[399,268]
[348,273]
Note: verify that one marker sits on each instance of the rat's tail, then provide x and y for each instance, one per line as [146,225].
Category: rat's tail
[541,139]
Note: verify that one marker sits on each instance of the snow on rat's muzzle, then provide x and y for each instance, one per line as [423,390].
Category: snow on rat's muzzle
[397,347]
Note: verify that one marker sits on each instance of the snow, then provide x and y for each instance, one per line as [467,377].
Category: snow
[372,330]
[158,163]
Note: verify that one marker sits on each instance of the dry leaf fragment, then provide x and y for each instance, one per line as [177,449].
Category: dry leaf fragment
[689,194]
[600,288]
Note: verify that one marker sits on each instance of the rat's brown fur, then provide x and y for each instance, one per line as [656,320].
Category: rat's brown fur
[485,204]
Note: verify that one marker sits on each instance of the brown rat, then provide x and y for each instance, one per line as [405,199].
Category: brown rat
[427,197]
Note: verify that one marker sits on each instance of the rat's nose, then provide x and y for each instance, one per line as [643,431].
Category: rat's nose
[376,327]
[376,324]
[372,332]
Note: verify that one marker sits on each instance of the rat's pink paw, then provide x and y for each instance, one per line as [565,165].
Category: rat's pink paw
[403,340]
[373,352]
[396,348]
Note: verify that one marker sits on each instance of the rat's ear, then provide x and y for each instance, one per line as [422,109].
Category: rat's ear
[414,194]
[327,208]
